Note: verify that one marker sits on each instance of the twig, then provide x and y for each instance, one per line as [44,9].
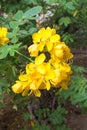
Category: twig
[33,116]
[53,103]
[29,59]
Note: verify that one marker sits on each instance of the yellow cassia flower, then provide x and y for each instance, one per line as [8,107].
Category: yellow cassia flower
[45,73]
[62,72]
[3,38]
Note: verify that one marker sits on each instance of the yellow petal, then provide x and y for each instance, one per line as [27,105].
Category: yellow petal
[53,31]
[33,85]
[48,85]
[41,46]
[17,88]
[55,38]
[45,34]
[59,53]
[41,30]
[3,38]
[33,50]
[36,37]
[50,75]
[37,93]
[3,32]
[26,90]
[41,69]
[23,77]
[40,59]
[49,46]
[30,68]
[64,85]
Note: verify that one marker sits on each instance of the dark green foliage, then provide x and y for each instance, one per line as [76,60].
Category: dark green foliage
[57,117]
[41,127]
[70,18]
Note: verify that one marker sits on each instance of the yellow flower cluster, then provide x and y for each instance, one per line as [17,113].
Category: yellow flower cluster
[49,69]
[3,38]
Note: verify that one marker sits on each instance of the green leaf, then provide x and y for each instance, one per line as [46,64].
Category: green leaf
[19,15]
[14,71]
[57,117]
[14,39]
[27,116]
[12,49]
[62,3]
[41,127]
[64,20]
[51,1]
[62,127]
[44,127]
[67,38]
[8,49]
[69,5]
[79,69]
[23,32]
[79,98]
[34,2]
[32,30]
[32,12]
[10,35]
[13,24]
[4,51]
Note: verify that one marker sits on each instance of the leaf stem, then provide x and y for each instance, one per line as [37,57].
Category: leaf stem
[29,59]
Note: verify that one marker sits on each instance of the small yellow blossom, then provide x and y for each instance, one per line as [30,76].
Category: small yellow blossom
[3,38]
[44,40]
[40,59]
[61,51]
[17,88]
[55,38]
[33,50]
[43,35]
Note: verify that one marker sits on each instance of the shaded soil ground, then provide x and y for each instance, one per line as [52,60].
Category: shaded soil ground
[77,122]
[11,119]
[80,57]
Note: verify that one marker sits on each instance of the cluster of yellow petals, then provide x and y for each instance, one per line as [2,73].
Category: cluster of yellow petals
[47,71]
[3,38]
[44,39]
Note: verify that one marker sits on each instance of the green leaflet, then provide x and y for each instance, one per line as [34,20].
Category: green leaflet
[32,12]
[8,49]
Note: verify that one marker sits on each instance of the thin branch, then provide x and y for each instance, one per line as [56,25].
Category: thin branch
[33,116]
